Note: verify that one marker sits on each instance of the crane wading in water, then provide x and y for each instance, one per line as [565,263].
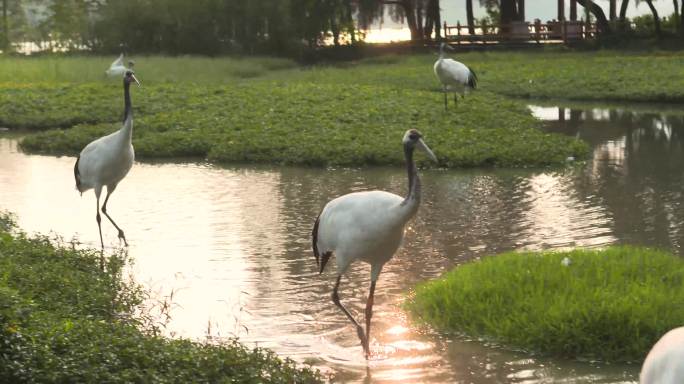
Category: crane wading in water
[117,67]
[107,160]
[664,364]
[454,75]
[367,226]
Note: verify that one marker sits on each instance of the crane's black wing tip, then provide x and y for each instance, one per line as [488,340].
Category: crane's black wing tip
[472,78]
[77,173]
[314,239]
[321,259]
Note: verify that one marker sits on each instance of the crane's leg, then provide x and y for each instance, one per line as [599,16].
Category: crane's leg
[445,97]
[99,226]
[369,314]
[456,99]
[99,219]
[359,330]
[104,210]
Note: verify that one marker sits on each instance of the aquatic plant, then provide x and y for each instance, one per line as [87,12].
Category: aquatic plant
[610,304]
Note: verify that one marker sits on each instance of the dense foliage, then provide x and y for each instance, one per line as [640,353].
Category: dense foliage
[62,320]
[296,28]
[603,305]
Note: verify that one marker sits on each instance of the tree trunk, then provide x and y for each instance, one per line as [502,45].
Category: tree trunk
[597,11]
[521,10]
[470,17]
[623,10]
[436,18]
[676,7]
[335,31]
[432,21]
[349,15]
[573,10]
[681,18]
[409,9]
[656,19]
[508,12]
[561,10]
[678,25]
[5,42]
[419,18]
[613,10]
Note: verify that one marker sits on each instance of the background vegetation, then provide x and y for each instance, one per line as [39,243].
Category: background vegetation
[62,319]
[601,306]
[296,28]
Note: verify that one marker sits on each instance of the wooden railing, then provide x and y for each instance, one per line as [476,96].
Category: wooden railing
[539,32]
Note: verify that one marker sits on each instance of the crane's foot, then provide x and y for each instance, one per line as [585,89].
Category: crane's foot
[122,237]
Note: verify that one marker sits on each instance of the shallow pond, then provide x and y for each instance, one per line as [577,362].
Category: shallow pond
[229,248]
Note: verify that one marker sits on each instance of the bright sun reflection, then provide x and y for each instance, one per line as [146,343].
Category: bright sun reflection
[397,330]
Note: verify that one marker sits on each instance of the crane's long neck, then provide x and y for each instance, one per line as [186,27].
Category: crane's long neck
[412,200]
[127,129]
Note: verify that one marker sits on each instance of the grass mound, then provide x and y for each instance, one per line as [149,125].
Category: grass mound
[610,304]
[311,124]
[64,320]
[267,110]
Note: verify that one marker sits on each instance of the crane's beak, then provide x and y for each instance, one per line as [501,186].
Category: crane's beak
[449,47]
[423,147]
[136,80]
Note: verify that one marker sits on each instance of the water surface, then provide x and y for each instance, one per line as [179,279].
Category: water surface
[230,247]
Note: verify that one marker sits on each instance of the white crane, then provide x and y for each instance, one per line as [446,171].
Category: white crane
[664,364]
[117,68]
[454,75]
[367,226]
[107,160]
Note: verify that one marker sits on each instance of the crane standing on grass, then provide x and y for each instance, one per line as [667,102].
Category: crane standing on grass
[454,75]
[367,226]
[665,362]
[107,160]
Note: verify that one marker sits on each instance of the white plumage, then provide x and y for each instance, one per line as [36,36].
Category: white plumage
[664,364]
[454,75]
[367,226]
[117,68]
[107,160]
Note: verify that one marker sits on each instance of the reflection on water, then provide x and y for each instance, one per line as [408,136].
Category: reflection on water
[233,244]
[635,168]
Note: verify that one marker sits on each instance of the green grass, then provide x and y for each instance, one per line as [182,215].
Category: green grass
[547,74]
[294,123]
[269,110]
[610,304]
[153,69]
[64,320]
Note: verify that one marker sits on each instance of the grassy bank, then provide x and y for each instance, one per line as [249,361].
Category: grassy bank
[546,74]
[612,304]
[269,110]
[64,320]
[301,122]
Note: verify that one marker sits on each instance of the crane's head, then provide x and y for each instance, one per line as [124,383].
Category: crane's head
[414,139]
[131,63]
[129,77]
[443,46]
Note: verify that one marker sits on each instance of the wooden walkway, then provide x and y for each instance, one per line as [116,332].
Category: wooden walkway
[521,32]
